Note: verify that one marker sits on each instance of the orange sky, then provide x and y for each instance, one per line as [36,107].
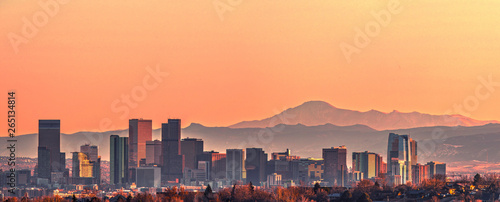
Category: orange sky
[263,57]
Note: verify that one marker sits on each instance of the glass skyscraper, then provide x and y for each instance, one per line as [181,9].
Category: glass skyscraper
[118,159]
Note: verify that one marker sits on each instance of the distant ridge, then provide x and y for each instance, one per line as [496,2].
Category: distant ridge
[315,113]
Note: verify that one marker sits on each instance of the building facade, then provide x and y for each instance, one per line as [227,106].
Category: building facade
[119,174]
[335,165]
[173,161]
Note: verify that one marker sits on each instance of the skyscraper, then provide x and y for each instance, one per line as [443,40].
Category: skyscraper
[91,151]
[335,166]
[368,163]
[118,160]
[49,148]
[82,166]
[173,161]
[255,165]
[217,163]
[139,132]
[191,148]
[436,168]
[153,152]
[401,150]
[235,165]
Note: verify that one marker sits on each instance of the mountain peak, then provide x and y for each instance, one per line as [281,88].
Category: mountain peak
[316,103]
[316,112]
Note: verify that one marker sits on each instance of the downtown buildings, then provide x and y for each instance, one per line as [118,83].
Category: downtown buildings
[183,162]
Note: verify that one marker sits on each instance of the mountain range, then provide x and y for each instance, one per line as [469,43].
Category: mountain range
[315,113]
[305,134]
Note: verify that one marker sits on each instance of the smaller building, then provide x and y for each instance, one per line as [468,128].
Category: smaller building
[274,180]
[148,177]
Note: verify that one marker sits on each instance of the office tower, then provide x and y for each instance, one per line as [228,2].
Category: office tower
[204,171]
[217,163]
[284,156]
[91,162]
[43,167]
[153,152]
[118,160]
[91,151]
[420,173]
[82,166]
[96,170]
[139,131]
[307,170]
[368,163]
[255,165]
[75,171]
[436,168]
[281,167]
[335,167]
[191,148]
[401,150]
[173,161]
[23,177]
[235,165]
[148,177]
[49,148]
[413,152]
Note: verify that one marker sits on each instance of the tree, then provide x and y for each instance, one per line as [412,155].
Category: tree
[250,187]
[346,196]
[364,198]
[208,191]
[477,179]
[316,188]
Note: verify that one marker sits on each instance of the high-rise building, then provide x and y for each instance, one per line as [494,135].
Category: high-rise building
[118,160]
[94,162]
[368,163]
[217,163]
[401,152]
[153,152]
[307,170]
[191,148]
[335,166]
[235,165]
[50,157]
[173,161]
[284,156]
[420,173]
[82,166]
[91,151]
[255,165]
[436,168]
[139,131]
[43,167]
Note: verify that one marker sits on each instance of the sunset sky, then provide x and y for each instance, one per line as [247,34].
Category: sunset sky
[250,61]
